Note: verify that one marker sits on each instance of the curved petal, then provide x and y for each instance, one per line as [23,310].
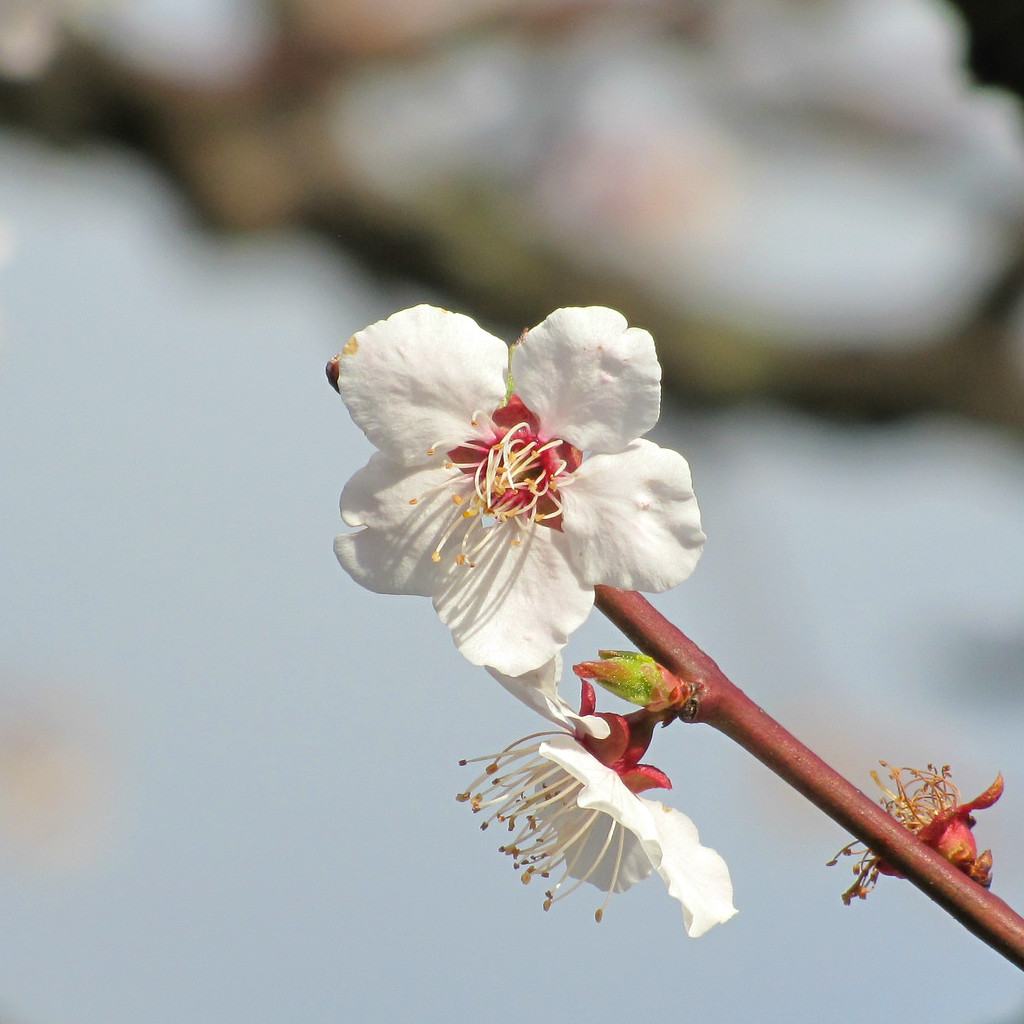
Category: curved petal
[590,379]
[632,520]
[391,554]
[696,875]
[663,839]
[603,791]
[417,379]
[515,608]
[539,690]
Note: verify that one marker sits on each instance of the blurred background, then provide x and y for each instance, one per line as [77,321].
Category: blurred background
[227,775]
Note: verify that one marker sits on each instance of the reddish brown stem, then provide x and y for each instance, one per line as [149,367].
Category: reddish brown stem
[721,704]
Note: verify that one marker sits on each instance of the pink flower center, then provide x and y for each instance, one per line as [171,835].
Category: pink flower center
[516,471]
[511,473]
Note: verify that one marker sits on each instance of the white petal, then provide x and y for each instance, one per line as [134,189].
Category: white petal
[539,690]
[634,864]
[590,379]
[666,840]
[632,519]
[391,555]
[516,608]
[417,380]
[696,875]
[604,791]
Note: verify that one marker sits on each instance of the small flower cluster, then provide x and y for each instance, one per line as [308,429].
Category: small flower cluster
[508,483]
[928,805]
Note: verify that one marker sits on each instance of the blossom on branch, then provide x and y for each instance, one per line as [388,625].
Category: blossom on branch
[928,805]
[508,483]
[570,799]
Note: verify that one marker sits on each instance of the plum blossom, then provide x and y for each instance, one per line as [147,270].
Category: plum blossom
[570,799]
[509,482]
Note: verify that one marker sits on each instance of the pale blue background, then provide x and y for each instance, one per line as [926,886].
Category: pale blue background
[281,841]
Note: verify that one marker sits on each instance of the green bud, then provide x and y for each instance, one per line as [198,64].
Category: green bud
[635,677]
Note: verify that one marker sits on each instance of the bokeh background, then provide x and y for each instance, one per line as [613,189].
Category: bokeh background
[226,773]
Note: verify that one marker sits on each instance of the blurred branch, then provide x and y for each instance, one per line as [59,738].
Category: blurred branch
[258,155]
[997,41]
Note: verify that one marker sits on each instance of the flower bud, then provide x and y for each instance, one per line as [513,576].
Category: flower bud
[636,678]
[333,371]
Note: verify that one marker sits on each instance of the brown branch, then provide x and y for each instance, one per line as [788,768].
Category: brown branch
[721,704]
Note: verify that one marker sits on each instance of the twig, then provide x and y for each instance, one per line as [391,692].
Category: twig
[721,704]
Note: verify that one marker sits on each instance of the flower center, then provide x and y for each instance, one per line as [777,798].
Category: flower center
[515,474]
[516,471]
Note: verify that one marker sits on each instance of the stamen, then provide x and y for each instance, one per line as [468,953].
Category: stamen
[511,475]
[513,752]
[537,800]
[505,812]
[552,898]
[599,914]
[489,533]
[446,536]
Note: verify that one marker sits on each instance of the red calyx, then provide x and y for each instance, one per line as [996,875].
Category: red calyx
[627,741]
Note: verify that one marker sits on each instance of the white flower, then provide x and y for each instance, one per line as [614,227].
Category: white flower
[576,817]
[480,495]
